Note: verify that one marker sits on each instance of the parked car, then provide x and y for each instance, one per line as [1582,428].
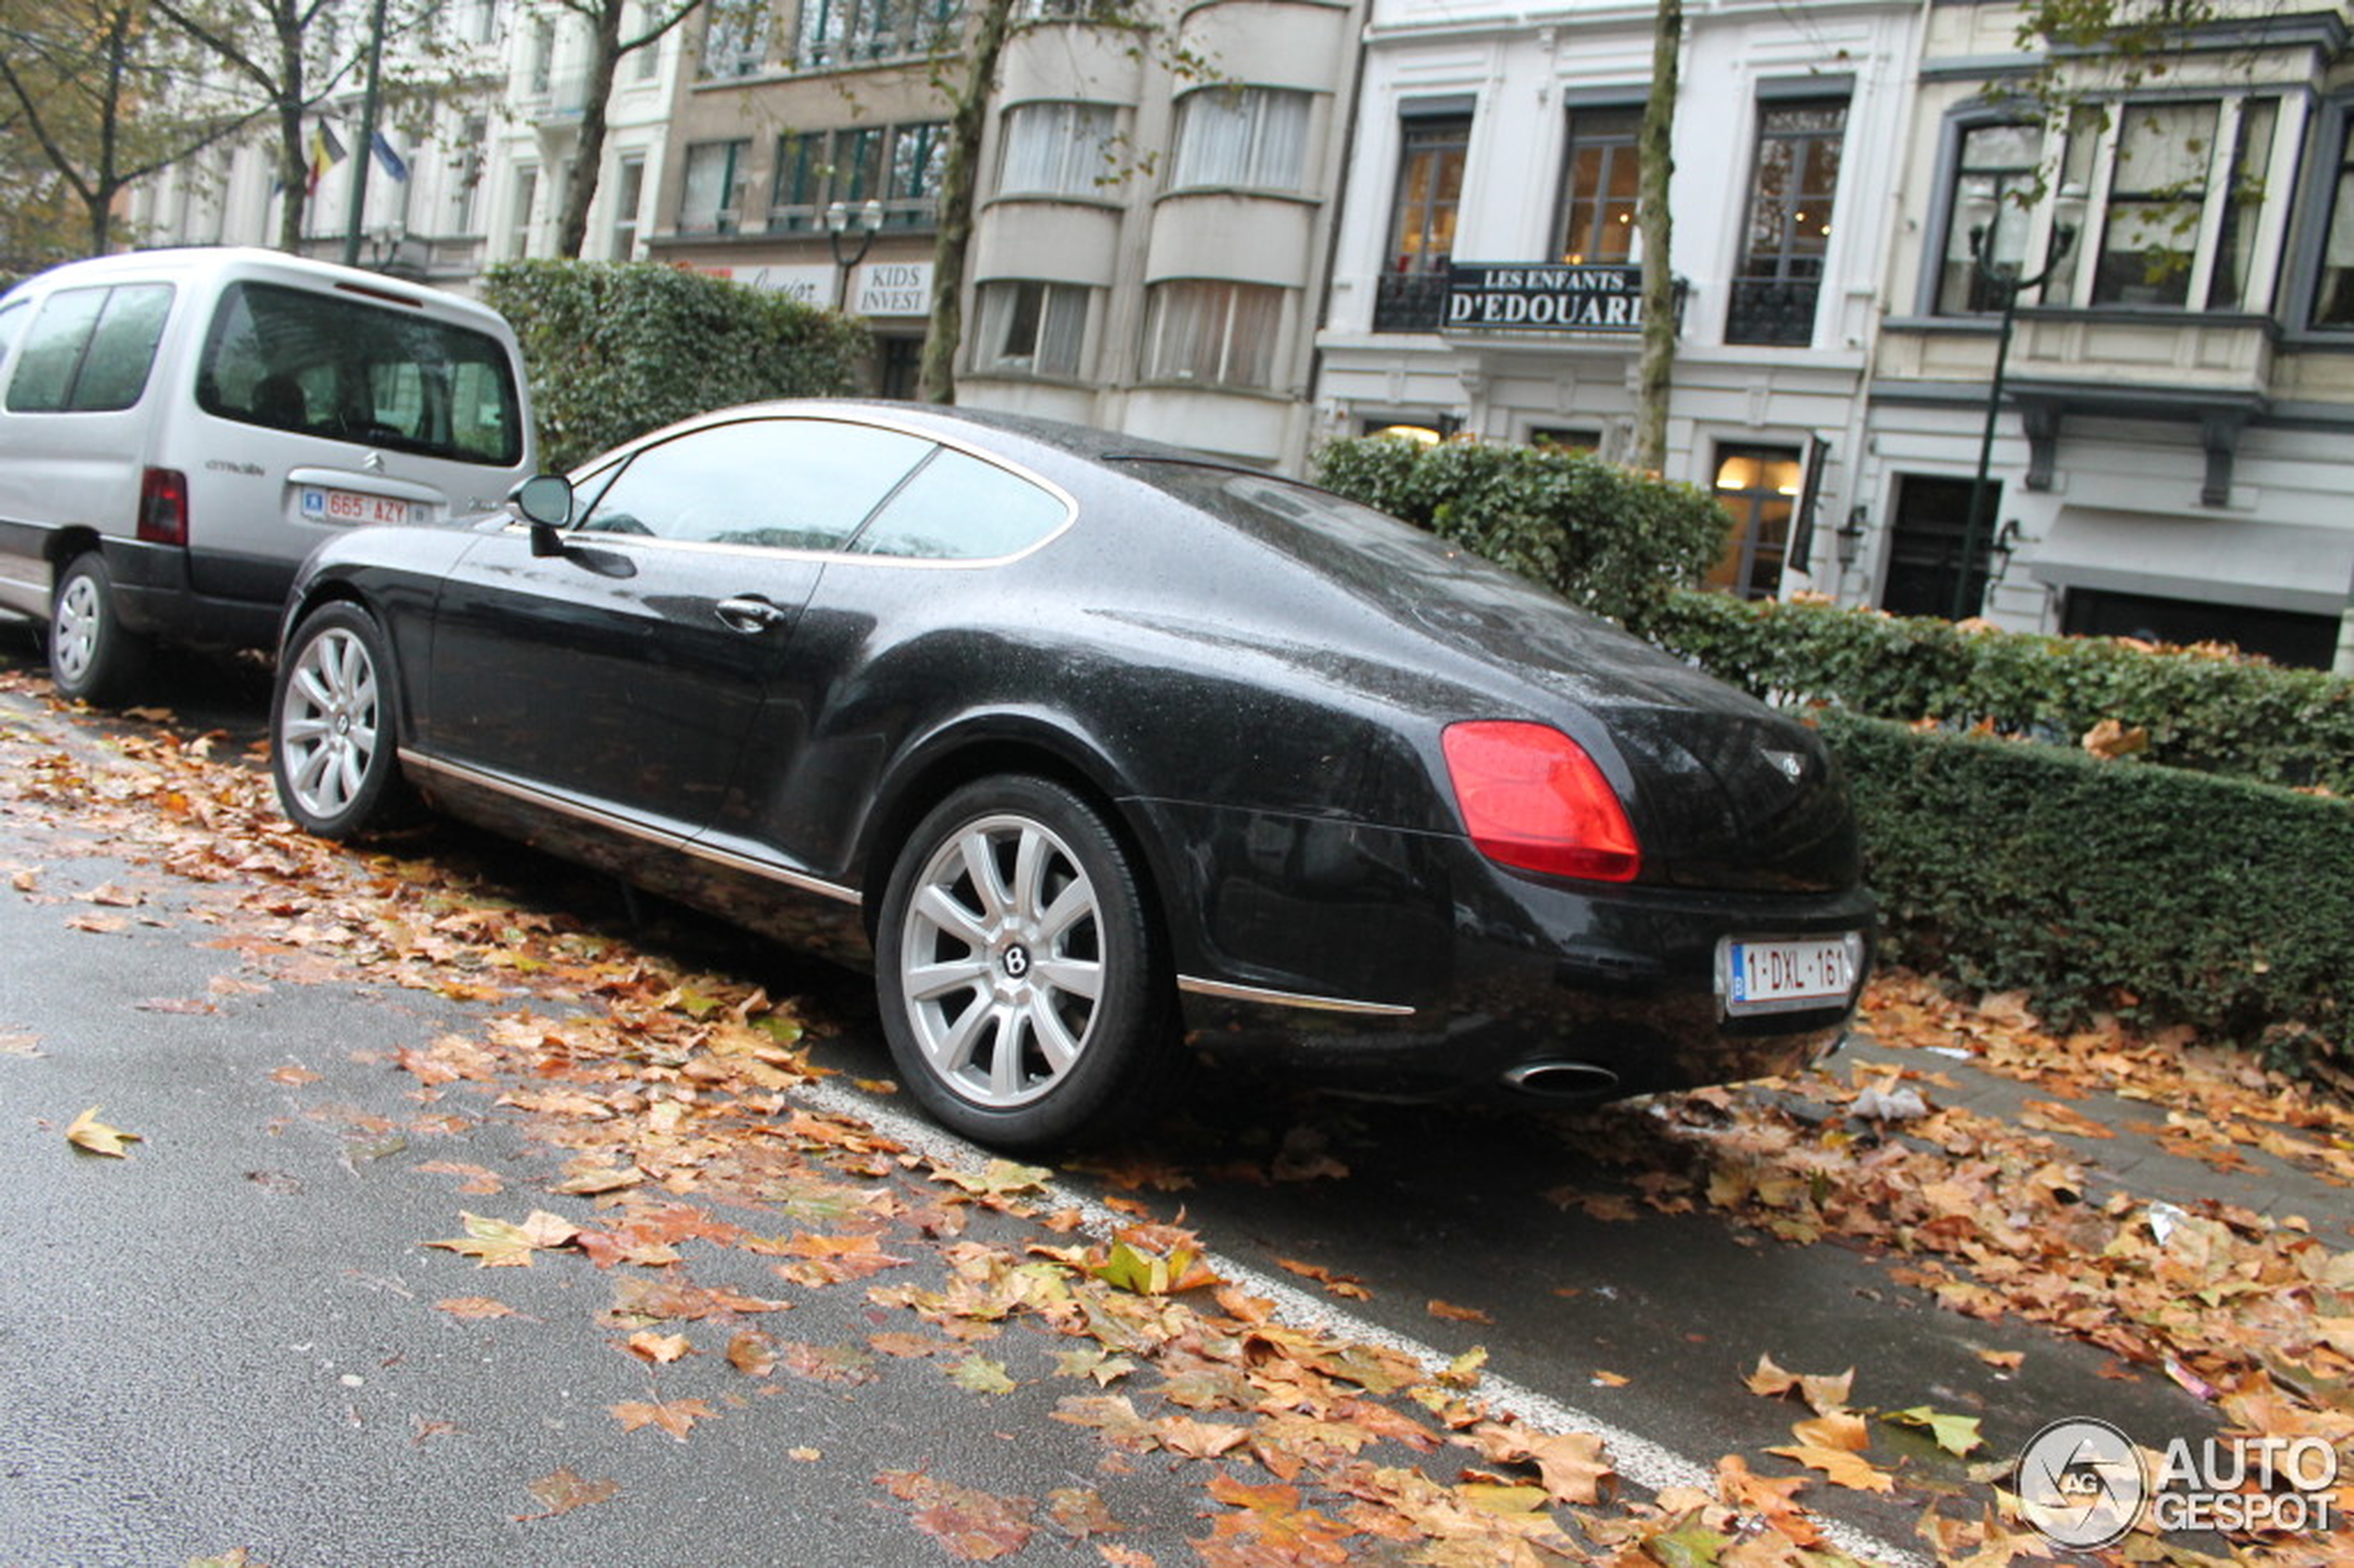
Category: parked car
[178,428]
[1081,740]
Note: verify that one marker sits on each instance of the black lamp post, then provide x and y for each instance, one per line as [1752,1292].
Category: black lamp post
[2004,280]
[844,224]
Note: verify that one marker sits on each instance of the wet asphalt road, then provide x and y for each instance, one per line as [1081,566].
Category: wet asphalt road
[228,1341]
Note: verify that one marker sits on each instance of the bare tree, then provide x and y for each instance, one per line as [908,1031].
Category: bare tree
[1655,372]
[968,118]
[606,48]
[102,99]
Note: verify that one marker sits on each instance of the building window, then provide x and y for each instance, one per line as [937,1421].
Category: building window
[1789,230]
[1566,438]
[1926,542]
[918,159]
[711,201]
[843,33]
[798,197]
[2148,232]
[2283,635]
[465,175]
[630,189]
[647,55]
[2334,302]
[527,196]
[540,62]
[1431,155]
[1994,168]
[1250,138]
[1214,334]
[1599,189]
[1758,489]
[1057,150]
[735,40]
[1031,328]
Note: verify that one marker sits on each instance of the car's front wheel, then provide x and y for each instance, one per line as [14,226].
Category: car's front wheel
[1022,985]
[92,656]
[333,728]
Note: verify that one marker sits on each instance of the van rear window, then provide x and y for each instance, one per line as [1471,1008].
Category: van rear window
[331,365]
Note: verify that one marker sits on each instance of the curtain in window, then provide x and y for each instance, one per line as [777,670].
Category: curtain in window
[1251,137]
[1057,150]
[1219,334]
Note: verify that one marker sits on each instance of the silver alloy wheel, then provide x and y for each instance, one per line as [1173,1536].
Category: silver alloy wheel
[328,728]
[1001,961]
[73,636]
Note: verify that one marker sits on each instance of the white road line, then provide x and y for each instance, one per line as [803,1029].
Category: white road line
[1646,1463]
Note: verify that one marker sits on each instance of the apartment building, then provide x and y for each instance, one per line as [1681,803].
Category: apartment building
[1488,278]
[2170,456]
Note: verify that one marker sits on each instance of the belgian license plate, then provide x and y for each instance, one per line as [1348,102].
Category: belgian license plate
[1761,975]
[320,505]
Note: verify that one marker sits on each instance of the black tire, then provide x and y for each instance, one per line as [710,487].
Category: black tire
[335,726]
[999,1040]
[92,656]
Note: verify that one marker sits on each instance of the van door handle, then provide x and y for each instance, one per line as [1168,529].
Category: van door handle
[751,614]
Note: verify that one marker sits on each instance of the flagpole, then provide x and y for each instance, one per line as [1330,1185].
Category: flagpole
[364,152]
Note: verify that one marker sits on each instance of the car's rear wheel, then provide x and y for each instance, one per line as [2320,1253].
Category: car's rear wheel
[333,728]
[92,656]
[1021,982]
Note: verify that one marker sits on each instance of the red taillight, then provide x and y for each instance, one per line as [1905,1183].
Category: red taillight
[1532,798]
[163,507]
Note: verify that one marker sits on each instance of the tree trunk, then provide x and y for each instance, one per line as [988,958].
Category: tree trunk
[1656,372]
[588,156]
[293,168]
[944,333]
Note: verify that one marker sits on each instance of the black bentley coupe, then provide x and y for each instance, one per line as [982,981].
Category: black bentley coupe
[1086,744]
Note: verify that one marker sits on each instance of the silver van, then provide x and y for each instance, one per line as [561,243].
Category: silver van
[179,427]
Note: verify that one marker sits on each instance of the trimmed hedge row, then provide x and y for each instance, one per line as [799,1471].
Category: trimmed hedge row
[616,349]
[2203,710]
[1614,540]
[2163,895]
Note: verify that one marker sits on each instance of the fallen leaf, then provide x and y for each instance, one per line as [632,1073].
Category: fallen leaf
[660,1348]
[974,1526]
[1843,1467]
[93,1137]
[474,1308]
[2007,1360]
[1958,1435]
[561,1491]
[1454,1313]
[981,1375]
[752,1353]
[677,1417]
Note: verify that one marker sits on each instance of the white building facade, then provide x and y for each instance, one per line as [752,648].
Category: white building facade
[1487,259]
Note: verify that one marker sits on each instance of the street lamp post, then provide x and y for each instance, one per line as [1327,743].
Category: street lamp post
[844,224]
[2004,278]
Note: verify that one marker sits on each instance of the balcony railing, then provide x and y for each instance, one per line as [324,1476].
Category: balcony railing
[1772,311]
[1410,301]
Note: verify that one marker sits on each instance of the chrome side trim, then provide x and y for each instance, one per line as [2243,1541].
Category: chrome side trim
[620,824]
[1232,993]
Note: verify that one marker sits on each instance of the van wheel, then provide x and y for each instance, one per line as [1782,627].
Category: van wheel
[92,656]
[333,735]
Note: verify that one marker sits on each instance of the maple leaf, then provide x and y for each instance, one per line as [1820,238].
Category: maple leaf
[475,1307]
[93,1137]
[752,1353]
[1199,1439]
[974,1526]
[981,1375]
[1344,1285]
[1272,1527]
[1773,1499]
[480,1182]
[1153,1260]
[1114,1415]
[1463,1371]
[1003,1177]
[493,1244]
[677,1417]
[1823,1394]
[561,1491]
[659,1348]
[1843,1466]
[1454,1313]
[1958,1435]
[1080,1513]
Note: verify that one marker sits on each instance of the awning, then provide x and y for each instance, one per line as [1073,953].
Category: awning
[2261,565]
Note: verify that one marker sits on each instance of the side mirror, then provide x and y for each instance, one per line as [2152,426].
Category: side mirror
[544,500]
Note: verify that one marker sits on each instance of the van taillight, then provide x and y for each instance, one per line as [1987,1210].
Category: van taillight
[1532,798]
[163,507]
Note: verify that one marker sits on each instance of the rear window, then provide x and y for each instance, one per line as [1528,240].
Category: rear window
[325,364]
[89,350]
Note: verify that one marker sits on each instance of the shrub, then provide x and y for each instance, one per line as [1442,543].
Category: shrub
[614,349]
[1607,537]
[2167,896]
[2202,709]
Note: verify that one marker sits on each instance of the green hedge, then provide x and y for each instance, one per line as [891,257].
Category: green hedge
[2163,895]
[2203,710]
[1601,536]
[616,349]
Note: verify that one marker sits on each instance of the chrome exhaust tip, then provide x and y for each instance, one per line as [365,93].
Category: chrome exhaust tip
[1562,1080]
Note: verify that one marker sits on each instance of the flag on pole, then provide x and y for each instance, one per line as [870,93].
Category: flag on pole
[388,161]
[326,151]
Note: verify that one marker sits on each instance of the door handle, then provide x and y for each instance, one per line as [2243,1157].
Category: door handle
[749,614]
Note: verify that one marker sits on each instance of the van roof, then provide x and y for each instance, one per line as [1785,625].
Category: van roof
[211,260]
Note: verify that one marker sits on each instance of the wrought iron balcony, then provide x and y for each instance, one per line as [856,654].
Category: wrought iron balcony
[1773,311]
[1410,301]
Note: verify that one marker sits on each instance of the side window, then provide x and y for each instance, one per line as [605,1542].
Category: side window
[12,319]
[52,351]
[958,508]
[780,484]
[122,349]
